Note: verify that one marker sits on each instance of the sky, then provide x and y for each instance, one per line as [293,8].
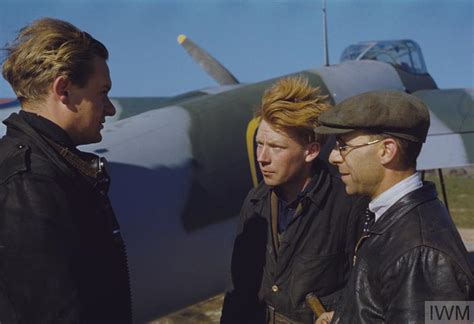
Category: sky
[254,39]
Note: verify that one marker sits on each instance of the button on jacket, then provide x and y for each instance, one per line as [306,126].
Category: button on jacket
[413,254]
[62,259]
[313,254]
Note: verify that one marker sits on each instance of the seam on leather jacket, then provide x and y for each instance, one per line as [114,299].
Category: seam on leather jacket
[14,163]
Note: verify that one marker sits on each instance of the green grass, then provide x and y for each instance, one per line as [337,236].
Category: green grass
[460,192]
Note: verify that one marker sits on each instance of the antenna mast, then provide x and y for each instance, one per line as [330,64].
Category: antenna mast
[325,35]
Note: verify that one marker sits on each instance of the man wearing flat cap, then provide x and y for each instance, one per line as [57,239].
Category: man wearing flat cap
[411,251]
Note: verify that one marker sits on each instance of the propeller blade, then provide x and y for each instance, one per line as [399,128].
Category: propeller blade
[213,68]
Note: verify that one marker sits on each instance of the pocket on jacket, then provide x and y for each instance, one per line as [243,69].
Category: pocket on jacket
[322,274]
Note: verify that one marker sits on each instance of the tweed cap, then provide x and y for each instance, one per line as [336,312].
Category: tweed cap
[391,112]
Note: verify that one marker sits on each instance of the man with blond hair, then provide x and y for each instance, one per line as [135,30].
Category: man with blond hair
[62,258]
[297,227]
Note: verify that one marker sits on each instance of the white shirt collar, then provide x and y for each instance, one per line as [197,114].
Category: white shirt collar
[389,197]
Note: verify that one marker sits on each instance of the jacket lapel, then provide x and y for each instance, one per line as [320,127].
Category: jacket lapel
[274,223]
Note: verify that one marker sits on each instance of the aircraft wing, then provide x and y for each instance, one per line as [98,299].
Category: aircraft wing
[450,141]
[125,106]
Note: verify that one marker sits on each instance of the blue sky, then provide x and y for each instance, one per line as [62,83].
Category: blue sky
[254,39]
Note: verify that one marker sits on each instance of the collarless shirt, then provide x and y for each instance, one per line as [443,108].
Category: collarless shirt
[287,210]
[389,197]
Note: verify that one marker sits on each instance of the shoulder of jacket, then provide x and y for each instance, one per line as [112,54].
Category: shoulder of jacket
[20,158]
[14,158]
[425,256]
[259,192]
[254,201]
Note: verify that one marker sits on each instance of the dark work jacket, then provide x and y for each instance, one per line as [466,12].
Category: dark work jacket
[62,258]
[413,254]
[314,253]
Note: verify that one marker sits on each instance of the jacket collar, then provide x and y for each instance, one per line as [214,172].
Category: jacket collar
[319,185]
[404,206]
[320,189]
[47,128]
[19,125]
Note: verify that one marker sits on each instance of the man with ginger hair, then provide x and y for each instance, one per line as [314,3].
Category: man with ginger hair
[62,257]
[298,227]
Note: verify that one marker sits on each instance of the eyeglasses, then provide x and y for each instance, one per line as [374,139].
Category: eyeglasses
[345,148]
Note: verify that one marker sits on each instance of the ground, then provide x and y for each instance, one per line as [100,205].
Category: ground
[206,312]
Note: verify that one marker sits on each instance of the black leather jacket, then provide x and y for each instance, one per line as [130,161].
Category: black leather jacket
[62,259]
[413,254]
[314,253]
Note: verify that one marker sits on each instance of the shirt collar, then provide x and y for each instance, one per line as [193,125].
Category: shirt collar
[312,184]
[389,197]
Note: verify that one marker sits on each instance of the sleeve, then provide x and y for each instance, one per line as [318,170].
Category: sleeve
[422,274]
[241,304]
[36,281]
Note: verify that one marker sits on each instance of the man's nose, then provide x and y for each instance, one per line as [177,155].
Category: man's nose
[262,155]
[335,156]
[110,108]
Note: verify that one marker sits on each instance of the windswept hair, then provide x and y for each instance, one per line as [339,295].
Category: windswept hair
[46,49]
[293,106]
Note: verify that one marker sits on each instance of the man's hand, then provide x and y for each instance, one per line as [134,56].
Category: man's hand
[325,318]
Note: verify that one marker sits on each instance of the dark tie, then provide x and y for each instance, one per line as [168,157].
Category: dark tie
[369,221]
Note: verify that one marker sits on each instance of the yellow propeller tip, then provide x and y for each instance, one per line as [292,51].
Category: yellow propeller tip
[181,38]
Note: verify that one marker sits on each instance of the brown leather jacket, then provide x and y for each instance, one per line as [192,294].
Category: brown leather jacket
[413,254]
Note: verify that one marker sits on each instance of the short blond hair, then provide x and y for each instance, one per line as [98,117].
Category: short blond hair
[46,49]
[292,105]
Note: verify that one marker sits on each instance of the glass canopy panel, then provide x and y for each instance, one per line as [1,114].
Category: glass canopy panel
[404,54]
[353,52]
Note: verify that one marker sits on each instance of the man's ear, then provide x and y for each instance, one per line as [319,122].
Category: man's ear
[61,86]
[388,151]
[312,151]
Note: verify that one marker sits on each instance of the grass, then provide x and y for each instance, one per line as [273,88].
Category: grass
[460,192]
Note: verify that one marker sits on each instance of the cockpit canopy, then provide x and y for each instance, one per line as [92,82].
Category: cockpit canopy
[402,54]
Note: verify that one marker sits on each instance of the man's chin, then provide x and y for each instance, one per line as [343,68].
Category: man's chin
[270,182]
[92,140]
[97,138]
[350,190]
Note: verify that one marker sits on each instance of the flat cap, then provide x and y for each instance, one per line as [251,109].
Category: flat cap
[392,112]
